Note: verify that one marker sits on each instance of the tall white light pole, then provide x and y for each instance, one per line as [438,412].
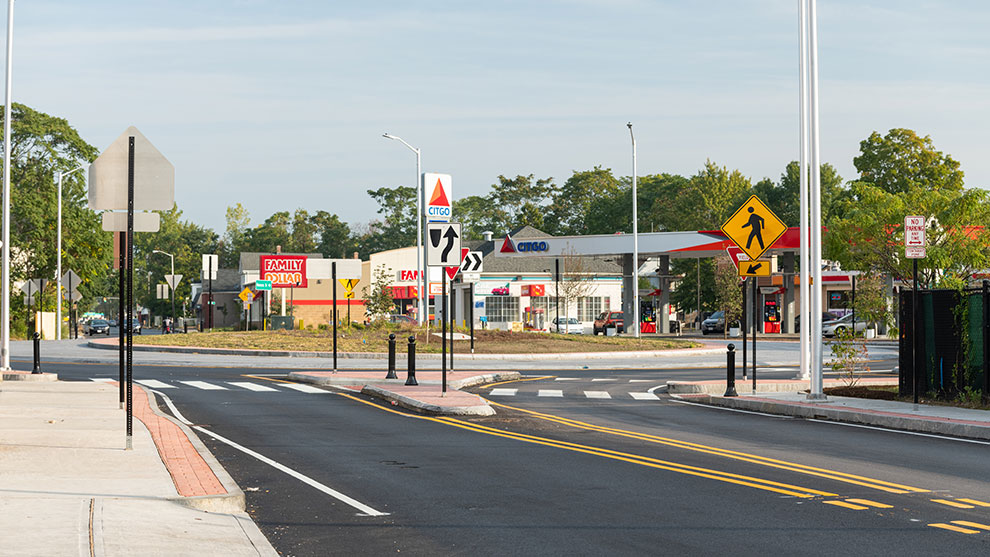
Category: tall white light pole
[816,392]
[58,259]
[635,277]
[420,271]
[5,271]
[805,256]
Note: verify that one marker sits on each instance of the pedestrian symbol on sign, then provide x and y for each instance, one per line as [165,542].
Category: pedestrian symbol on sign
[756,224]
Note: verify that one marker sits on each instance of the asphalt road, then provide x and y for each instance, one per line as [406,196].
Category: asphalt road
[570,474]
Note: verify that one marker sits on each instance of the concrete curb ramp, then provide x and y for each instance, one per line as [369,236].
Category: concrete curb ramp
[13,375]
[823,411]
[456,403]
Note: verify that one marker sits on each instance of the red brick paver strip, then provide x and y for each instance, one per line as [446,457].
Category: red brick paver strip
[191,474]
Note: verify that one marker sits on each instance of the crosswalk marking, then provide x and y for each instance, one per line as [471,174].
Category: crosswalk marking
[602,379]
[304,388]
[550,392]
[503,392]
[959,529]
[974,502]
[154,384]
[953,504]
[566,378]
[204,385]
[252,386]
[642,381]
[644,396]
[102,379]
[597,394]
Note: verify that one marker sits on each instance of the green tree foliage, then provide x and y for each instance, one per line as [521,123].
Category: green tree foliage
[685,296]
[901,161]
[784,199]
[238,222]
[728,294]
[711,196]
[333,237]
[573,204]
[397,228]
[512,202]
[43,145]
[378,302]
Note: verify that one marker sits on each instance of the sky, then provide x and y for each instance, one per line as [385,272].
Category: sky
[281,104]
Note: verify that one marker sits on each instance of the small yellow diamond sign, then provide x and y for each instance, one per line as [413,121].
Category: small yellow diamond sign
[245,295]
[754,228]
[758,268]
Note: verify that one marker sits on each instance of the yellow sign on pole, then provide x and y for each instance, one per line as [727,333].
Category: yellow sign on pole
[349,295]
[758,268]
[754,228]
[245,294]
[348,284]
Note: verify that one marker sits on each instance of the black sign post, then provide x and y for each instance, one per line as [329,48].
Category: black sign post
[333,311]
[443,331]
[915,329]
[471,314]
[121,345]
[756,325]
[130,289]
[745,327]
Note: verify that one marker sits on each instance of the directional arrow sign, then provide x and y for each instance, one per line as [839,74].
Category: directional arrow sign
[754,227]
[758,268]
[173,281]
[246,295]
[472,262]
[349,295]
[443,248]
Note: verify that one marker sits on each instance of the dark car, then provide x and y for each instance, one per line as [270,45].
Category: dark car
[98,327]
[134,323]
[714,324]
[826,316]
[608,319]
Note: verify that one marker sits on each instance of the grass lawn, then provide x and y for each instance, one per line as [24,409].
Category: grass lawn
[376,340]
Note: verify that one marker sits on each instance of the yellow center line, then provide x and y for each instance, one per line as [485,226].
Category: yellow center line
[954,528]
[758,483]
[490,385]
[846,505]
[869,503]
[974,502]
[953,504]
[267,378]
[755,459]
[971,524]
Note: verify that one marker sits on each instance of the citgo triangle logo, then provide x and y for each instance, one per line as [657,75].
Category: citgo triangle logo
[508,246]
[438,197]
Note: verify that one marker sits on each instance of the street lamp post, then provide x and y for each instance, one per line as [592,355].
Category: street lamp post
[5,263]
[171,259]
[58,265]
[420,271]
[635,277]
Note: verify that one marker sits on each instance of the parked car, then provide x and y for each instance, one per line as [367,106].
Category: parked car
[826,316]
[714,324]
[608,319]
[113,322]
[569,325]
[844,323]
[98,327]
[136,324]
[401,319]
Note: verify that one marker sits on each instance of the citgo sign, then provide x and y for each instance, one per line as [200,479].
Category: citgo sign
[285,271]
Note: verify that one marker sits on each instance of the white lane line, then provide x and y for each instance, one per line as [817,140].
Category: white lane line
[550,392]
[365,509]
[503,392]
[605,379]
[305,388]
[566,378]
[252,386]
[644,396]
[597,394]
[641,380]
[974,441]
[154,384]
[204,385]
[102,379]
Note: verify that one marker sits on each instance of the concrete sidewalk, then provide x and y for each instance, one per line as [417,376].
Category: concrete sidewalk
[68,487]
[922,418]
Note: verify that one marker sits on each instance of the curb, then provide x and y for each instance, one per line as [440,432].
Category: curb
[767,386]
[426,408]
[822,411]
[419,356]
[343,379]
[233,501]
[28,376]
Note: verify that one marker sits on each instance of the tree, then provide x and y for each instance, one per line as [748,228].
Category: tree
[397,229]
[303,233]
[901,161]
[378,302]
[685,295]
[512,202]
[333,236]
[710,197]
[574,280]
[784,198]
[728,294]
[264,238]
[573,203]
[238,222]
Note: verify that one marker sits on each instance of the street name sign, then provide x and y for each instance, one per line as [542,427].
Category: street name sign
[443,245]
[754,227]
[263,285]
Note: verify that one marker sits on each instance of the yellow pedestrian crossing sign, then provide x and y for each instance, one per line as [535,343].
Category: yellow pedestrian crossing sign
[348,284]
[754,228]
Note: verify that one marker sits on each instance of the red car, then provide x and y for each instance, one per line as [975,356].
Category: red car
[608,319]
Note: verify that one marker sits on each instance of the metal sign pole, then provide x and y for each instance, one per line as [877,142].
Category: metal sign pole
[471,315]
[443,331]
[556,264]
[121,298]
[756,326]
[915,330]
[745,327]
[333,311]
[209,267]
[450,305]
[130,290]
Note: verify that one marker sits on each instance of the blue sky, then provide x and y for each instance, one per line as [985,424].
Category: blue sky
[282,104]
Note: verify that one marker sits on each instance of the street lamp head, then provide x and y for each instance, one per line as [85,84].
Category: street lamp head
[388,136]
[629,125]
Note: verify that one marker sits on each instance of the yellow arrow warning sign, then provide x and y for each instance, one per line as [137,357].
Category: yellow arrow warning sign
[245,295]
[349,295]
[348,284]
[754,228]
[758,268]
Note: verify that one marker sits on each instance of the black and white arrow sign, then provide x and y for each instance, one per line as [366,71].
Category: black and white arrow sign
[472,262]
[443,246]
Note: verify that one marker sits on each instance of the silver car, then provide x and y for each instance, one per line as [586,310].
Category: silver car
[569,325]
[844,323]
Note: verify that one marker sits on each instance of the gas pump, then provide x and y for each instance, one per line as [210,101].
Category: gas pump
[534,318]
[771,316]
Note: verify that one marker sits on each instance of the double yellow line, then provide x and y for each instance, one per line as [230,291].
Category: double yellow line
[872,483]
[738,479]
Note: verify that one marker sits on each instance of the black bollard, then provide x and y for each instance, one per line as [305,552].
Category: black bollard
[730,371]
[391,357]
[411,359]
[37,353]
[185,327]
